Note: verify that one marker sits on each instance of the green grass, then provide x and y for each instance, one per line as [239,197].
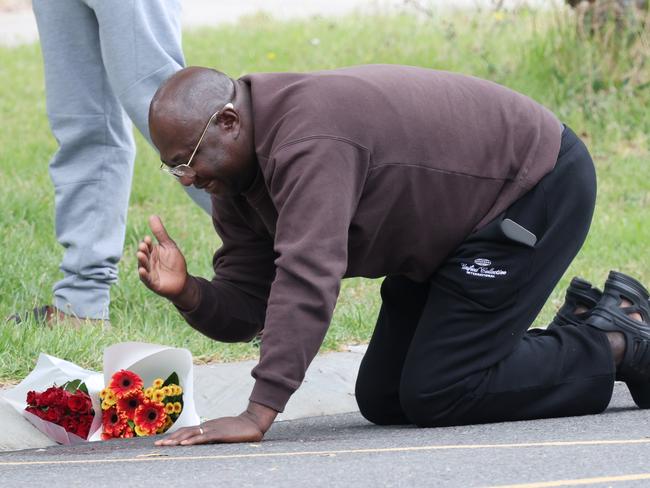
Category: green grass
[599,88]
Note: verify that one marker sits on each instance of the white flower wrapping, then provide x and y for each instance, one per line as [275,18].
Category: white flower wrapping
[149,361]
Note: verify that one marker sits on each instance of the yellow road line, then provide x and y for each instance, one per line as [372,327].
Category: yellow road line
[160,456]
[581,481]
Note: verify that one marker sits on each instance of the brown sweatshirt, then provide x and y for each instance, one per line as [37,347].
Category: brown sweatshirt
[364,171]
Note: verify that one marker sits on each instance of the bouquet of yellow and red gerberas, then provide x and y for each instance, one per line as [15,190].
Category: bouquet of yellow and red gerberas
[131,410]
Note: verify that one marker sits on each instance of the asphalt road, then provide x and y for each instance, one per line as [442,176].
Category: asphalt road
[611,449]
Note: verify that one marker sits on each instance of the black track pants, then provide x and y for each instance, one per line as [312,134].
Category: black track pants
[455,350]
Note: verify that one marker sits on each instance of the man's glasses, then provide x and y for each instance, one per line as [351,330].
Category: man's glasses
[185,169]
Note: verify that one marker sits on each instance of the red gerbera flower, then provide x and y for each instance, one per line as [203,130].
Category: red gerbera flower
[150,416]
[124,382]
[130,402]
[113,422]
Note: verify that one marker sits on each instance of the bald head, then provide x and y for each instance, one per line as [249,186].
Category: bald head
[191,120]
[189,97]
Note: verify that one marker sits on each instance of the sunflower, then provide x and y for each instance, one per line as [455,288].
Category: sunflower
[130,402]
[150,416]
[113,422]
[124,382]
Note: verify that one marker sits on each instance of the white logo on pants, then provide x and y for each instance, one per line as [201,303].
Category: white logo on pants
[483,269]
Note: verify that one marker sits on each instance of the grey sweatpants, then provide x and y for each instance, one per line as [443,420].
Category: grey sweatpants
[103,59]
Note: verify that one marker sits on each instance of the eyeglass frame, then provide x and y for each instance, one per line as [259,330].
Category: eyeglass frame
[179,171]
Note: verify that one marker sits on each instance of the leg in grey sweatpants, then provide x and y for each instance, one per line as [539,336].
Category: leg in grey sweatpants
[103,59]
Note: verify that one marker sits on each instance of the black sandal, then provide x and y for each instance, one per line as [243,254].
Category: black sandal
[609,316]
[580,293]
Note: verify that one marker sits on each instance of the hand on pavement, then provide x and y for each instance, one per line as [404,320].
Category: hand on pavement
[249,426]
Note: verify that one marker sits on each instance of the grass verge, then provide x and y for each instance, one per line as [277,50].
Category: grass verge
[599,87]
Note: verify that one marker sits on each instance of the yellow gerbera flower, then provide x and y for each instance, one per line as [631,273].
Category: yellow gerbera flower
[178,407]
[140,432]
[157,383]
[167,391]
[179,390]
[169,408]
[149,392]
[109,398]
[102,394]
[158,396]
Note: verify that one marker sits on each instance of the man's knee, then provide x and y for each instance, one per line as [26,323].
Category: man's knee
[376,407]
[428,404]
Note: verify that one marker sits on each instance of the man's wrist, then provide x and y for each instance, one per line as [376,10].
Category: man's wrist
[261,415]
[189,297]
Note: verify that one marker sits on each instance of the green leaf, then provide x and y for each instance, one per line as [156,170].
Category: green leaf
[71,386]
[171,380]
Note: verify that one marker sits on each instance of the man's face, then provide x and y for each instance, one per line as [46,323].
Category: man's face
[224,162]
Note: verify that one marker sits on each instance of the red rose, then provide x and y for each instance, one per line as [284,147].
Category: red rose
[82,430]
[53,396]
[50,415]
[85,421]
[54,414]
[32,398]
[36,411]
[79,402]
[68,424]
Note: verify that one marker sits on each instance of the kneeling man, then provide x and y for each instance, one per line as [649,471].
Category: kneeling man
[470,199]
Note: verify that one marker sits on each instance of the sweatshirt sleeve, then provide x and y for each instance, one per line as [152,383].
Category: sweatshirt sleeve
[232,305]
[316,185]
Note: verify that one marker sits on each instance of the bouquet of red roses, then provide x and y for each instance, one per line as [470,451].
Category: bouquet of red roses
[130,410]
[68,405]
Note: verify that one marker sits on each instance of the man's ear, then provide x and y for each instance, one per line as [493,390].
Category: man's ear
[229,120]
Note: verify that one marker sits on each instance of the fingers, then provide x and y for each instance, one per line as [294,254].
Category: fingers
[184,436]
[143,255]
[159,230]
[144,276]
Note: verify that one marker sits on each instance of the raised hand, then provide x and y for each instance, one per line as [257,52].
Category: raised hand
[161,266]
